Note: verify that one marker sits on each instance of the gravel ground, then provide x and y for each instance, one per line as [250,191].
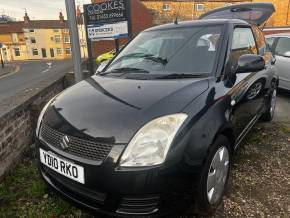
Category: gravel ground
[259,184]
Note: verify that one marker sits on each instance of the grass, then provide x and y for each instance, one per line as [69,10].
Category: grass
[23,193]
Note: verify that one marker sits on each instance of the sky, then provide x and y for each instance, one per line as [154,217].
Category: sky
[36,9]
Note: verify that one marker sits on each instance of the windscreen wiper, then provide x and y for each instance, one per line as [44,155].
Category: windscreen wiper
[125,70]
[181,76]
[163,61]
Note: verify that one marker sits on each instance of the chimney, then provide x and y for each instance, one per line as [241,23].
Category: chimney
[61,17]
[78,11]
[26,18]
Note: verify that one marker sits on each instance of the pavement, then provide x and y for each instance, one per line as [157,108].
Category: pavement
[29,74]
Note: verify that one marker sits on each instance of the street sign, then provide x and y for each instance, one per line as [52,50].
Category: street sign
[107,20]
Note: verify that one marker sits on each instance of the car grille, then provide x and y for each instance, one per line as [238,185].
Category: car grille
[139,205]
[75,146]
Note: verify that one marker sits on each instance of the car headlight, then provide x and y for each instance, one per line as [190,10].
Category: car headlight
[41,115]
[151,143]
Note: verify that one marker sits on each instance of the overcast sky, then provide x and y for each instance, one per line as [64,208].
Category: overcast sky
[36,9]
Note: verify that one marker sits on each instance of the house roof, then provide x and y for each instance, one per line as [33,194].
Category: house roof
[17,27]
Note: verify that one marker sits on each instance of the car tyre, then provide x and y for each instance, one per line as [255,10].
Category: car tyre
[270,108]
[214,177]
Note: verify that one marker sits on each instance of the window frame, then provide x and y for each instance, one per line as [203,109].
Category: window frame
[32,39]
[33,50]
[166,7]
[66,37]
[65,51]
[17,50]
[199,5]
[56,37]
[275,43]
[57,51]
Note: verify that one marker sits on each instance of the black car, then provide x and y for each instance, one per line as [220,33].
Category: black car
[155,131]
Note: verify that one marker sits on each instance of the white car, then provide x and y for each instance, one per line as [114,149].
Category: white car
[279,44]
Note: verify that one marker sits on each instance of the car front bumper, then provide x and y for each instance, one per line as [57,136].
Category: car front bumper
[154,192]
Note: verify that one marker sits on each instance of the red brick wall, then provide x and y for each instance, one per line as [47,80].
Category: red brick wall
[141,20]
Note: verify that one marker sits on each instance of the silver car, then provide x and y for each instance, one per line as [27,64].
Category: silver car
[279,44]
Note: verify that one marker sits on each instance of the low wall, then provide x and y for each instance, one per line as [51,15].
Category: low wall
[17,125]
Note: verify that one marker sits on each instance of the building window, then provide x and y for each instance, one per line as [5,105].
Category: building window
[32,39]
[59,51]
[166,7]
[51,39]
[66,39]
[31,30]
[199,7]
[17,52]
[67,51]
[56,30]
[66,30]
[34,51]
[57,39]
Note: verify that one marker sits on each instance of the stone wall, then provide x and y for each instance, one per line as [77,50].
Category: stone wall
[17,126]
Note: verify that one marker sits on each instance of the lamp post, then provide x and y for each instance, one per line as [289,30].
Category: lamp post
[74,38]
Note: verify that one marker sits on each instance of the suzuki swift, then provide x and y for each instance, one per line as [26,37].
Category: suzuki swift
[155,131]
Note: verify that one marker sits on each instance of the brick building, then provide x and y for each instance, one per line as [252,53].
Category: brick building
[164,11]
[141,19]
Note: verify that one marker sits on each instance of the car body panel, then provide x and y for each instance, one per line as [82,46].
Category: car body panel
[282,63]
[134,102]
[110,110]
[256,13]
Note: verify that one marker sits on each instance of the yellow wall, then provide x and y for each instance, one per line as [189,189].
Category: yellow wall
[46,39]
[9,46]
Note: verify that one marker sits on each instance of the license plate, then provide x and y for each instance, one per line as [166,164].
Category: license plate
[63,167]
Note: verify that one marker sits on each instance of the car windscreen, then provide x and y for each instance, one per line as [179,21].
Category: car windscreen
[186,51]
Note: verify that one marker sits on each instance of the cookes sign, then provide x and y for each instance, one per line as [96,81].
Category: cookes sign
[106,20]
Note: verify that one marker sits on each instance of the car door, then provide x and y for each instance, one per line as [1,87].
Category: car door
[282,54]
[248,88]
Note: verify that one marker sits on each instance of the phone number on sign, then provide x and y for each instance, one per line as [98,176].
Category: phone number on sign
[107,16]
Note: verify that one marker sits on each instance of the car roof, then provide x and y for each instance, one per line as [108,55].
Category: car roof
[188,24]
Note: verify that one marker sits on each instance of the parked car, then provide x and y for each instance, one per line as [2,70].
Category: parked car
[155,131]
[279,44]
[106,56]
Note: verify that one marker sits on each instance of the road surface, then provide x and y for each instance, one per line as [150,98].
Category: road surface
[29,74]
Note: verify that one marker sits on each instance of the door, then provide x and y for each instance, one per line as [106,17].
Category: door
[282,55]
[248,88]
[43,51]
[256,13]
[52,52]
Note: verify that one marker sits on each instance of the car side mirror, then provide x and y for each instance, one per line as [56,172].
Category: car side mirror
[250,63]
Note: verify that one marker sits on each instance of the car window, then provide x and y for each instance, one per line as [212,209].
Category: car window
[260,39]
[270,43]
[243,40]
[243,43]
[283,46]
[172,51]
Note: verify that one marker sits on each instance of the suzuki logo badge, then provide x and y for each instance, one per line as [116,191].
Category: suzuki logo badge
[64,142]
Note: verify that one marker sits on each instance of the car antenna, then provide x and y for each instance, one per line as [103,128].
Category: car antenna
[177,15]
